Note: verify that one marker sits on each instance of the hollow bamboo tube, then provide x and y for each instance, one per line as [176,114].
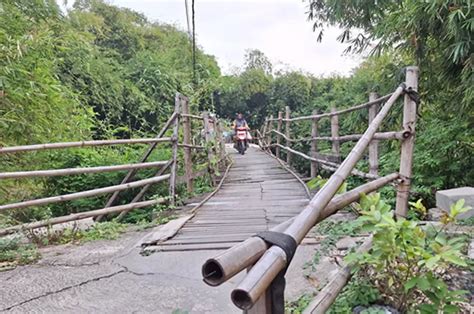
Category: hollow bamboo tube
[73,171]
[274,259]
[83,194]
[224,266]
[278,133]
[374,144]
[408,146]
[79,216]
[36,147]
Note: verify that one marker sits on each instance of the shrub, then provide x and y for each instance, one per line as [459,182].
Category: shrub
[406,261]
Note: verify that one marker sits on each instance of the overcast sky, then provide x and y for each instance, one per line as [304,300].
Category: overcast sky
[279,28]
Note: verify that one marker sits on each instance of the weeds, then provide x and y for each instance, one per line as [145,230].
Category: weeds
[298,306]
[13,253]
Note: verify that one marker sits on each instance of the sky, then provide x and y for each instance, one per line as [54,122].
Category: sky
[278,28]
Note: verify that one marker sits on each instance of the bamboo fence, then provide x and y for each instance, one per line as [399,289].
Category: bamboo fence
[263,261]
[180,119]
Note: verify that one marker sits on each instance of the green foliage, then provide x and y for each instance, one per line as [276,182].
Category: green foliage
[98,71]
[437,34]
[109,230]
[298,306]
[13,252]
[359,291]
[318,182]
[404,259]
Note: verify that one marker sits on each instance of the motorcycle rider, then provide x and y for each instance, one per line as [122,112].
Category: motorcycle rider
[240,122]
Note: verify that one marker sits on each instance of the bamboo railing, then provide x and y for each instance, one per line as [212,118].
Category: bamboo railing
[266,262]
[178,126]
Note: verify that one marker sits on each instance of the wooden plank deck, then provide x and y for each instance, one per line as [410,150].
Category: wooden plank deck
[257,194]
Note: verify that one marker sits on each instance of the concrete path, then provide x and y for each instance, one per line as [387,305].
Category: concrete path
[112,276]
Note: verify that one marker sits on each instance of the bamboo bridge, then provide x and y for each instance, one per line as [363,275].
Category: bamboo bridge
[259,213]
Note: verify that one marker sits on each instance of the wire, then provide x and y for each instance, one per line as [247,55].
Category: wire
[194,44]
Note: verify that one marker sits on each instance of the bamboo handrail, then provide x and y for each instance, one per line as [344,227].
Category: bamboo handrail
[88,193]
[332,166]
[192,146]
[392,135]
[74,171]
[79,216]
[261,275]
[227,264]
[36,147]
[192,116]
[335,113]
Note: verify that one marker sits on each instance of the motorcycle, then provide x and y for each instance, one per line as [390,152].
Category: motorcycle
[241,140]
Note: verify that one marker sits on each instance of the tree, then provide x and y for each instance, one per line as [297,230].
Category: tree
[255,59]
[437,35]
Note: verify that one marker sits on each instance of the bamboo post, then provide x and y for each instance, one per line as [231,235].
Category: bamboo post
[174,149]
[408,145]
[288,133]
[262,135]
[314,145]
[220,139]
[208,140]
[374,144]
[269,130]
[188,163]
[335,134]
[278,137]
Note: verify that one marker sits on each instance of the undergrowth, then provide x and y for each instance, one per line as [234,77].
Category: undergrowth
[298,306]
[14,252]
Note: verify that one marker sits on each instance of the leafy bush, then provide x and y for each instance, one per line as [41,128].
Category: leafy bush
[406,261]
[359,291]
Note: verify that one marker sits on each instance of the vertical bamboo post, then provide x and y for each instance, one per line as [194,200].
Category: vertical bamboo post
[188,164]
[335,134]
[278,137]
[314,145]
[269,131]
[288,133]
[220,139]
[374,144]
[407,147]
[208,141]
[263,134]
[174,149]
